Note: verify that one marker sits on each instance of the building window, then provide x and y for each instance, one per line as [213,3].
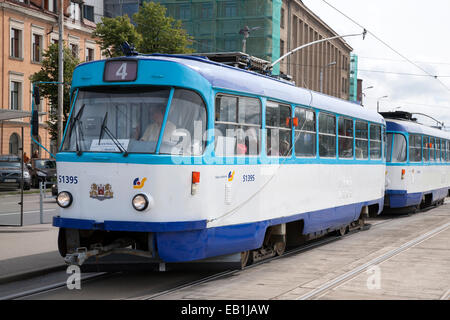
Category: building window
[15,95]
[37,48]
[205,45]
[185,12]
[88,12]
[14,144]
[16,43]
[281,48]
[89,54]
[50,5]
[230,9]
[74,10]
[230,45]
[282,18]
[207,10]
[74,49]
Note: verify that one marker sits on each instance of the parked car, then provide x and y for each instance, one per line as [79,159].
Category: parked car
[42,170]
[11,173]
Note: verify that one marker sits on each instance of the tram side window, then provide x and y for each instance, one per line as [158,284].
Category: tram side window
[305,133]
[327,135]
[279,132]
[362,140]
[188,115]
[345,138]
[375,141]
[415,148]
[426,149]
[237,126]
[432,149]
[442,145]
[448,151]
[385,144]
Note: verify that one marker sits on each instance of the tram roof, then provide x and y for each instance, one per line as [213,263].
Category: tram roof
[414,127]
[231,78]
[235,79]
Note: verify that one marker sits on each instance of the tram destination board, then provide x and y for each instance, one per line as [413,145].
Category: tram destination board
[120,70]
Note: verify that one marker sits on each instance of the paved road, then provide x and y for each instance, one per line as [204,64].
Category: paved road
[10,209]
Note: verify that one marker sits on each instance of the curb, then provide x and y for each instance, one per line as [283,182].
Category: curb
[30,274]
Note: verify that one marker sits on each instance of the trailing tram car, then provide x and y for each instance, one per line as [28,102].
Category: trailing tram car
[178,158]
[418,163]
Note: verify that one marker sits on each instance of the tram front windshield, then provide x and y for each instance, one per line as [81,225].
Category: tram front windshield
[130,119]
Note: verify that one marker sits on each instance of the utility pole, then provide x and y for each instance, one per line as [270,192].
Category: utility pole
[321,74]
[60,72]
[378,102]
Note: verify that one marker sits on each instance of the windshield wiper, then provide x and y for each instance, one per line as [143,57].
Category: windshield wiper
[79,131]
[103,129]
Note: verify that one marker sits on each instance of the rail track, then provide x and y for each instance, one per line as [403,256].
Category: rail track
[375,223]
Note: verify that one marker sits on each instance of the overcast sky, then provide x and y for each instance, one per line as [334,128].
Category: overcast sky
[417,29]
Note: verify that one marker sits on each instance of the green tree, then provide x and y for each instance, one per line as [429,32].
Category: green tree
[154,32]
[112,32]
[49,72]
[160,33]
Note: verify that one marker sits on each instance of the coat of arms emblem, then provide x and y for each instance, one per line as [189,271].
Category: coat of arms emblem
[101,192]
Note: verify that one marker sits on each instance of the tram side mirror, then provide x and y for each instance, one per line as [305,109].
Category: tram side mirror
[37,96]
[35,123]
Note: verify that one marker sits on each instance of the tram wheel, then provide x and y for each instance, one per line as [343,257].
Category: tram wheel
[279,247]
[245,258]
[342,231]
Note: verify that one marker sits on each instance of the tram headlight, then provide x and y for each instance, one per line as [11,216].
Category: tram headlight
[140,202]
[64,199]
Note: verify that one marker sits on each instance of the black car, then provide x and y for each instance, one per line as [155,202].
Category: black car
[42,170]
[11,173]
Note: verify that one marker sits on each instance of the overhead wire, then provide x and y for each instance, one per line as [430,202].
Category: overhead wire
[387,45]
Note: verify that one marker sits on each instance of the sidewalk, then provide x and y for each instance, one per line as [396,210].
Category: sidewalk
[27,251]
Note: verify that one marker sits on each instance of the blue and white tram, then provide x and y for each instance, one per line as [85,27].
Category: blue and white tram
[192,159]
[418,163]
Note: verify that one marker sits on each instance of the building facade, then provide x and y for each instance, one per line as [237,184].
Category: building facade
[275,27]
[28,27]
[322,67]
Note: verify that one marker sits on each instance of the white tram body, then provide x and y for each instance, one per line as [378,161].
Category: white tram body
[202,201]
[418,168]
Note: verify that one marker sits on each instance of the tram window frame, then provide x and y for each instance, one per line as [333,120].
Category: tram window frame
[442,147]
[278,127]
[239,149]
[361,139]
[432,149]
[403,150]
[324,135]
[385,144]
[448,151]
[415,143]
[373,142]
[305,127]
[182,107]
[426,148]
[344,135]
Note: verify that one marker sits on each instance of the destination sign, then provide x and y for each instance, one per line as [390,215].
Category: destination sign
[120,70]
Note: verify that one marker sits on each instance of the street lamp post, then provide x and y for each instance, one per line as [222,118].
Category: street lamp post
[363,94]
[313,43]
[321,74]
[61,72]
[378,102]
